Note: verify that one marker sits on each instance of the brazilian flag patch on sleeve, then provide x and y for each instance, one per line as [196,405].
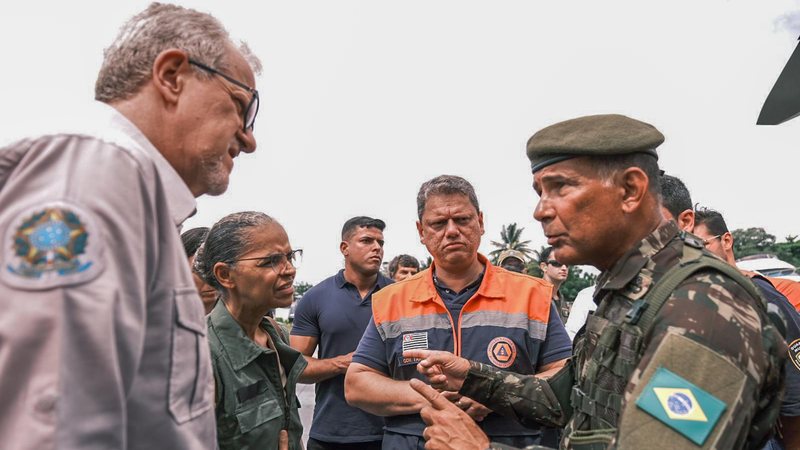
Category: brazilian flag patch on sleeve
[681,405]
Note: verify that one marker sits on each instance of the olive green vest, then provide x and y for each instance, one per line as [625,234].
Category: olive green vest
[252,405]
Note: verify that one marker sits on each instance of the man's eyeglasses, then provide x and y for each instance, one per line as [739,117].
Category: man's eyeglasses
[248,113]
[277,261]
[554,263]
[711,239]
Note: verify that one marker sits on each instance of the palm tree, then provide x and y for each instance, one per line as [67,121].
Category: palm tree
[510,240]
[533,264]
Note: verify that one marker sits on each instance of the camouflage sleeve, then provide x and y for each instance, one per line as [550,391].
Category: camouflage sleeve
[704,373]
[530,400]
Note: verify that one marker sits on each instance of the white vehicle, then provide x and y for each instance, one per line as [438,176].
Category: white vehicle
[769,266]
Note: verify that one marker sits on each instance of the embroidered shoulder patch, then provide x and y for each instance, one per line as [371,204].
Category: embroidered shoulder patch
[502,352]
[794,353]
[681,405]
[51,245]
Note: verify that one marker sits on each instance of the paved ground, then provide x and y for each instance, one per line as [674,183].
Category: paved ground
[305,392]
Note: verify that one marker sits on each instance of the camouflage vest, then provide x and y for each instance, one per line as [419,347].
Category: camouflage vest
[606,359]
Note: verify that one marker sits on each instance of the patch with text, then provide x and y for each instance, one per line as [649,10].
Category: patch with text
[502,352]
[413,341]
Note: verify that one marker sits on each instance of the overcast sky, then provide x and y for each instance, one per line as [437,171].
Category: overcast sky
[362,101]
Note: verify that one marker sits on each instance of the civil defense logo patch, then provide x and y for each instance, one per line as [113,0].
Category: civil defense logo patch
[502,352]
[681,405]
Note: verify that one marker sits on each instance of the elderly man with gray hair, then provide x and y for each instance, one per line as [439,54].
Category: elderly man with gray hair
[103,335]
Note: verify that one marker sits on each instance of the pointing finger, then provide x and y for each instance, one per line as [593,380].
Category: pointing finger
[431,395]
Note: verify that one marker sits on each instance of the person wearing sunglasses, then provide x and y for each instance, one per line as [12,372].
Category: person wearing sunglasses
[248,259]
[104,337]
[556,274]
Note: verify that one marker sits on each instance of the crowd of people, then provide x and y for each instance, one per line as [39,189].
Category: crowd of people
[110,338]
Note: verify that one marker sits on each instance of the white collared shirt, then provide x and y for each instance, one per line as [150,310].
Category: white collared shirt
[581,307]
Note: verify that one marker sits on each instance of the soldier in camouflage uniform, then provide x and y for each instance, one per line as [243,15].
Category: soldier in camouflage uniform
[680,352]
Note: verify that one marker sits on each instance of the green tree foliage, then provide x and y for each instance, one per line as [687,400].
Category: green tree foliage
[789,251]
[533,265]
[752,241]
[510,239]
[301,288]
[575,282]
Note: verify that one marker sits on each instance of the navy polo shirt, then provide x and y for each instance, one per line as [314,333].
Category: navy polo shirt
[791,400]
[454,301]
[335,314]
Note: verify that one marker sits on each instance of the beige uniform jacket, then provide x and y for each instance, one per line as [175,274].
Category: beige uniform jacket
[102,334]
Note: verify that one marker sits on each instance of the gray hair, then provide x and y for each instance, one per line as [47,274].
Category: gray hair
[226,241]
[445,185]
[607,167]
[128,62]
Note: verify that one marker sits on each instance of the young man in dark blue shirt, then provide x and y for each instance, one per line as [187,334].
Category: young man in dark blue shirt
[333,316]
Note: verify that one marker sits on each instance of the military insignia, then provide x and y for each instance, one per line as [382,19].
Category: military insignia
[413,341]
[50,245]
[638,287]
[681,405]
[794,353]
[502,352]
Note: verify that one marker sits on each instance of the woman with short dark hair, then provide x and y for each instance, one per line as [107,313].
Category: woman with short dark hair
[248,259]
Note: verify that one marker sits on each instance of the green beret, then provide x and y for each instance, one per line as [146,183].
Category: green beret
[600,135]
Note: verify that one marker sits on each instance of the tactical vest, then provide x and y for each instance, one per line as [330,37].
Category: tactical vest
[610,353]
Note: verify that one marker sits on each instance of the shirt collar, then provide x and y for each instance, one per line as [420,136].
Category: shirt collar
[182,203]
[381,282]
[439,285]
[341,282]
[634,260]
[490,287]
[240,349]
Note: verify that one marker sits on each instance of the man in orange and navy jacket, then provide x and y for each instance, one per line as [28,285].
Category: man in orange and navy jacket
[461,304]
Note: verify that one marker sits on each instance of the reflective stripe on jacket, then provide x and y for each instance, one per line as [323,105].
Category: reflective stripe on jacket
[503,324]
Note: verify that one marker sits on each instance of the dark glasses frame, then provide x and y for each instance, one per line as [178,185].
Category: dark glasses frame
[248,122]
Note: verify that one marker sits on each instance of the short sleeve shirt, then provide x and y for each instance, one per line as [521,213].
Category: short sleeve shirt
[334,313]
